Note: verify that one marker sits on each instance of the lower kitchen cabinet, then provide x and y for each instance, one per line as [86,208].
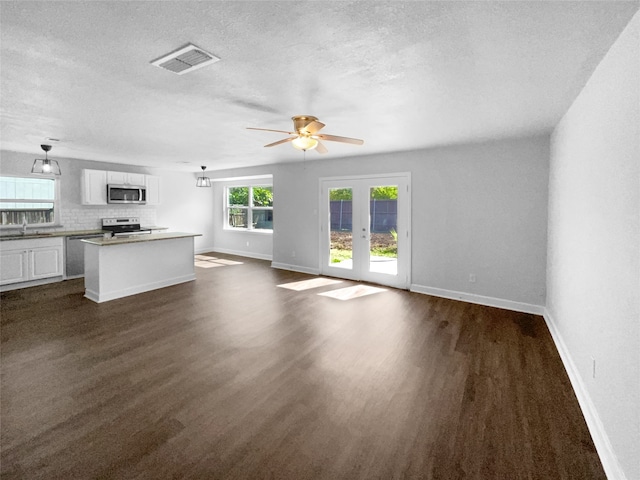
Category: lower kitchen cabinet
[30,260]
[15,266]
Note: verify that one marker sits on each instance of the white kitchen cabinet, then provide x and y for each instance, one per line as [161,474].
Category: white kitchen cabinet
[15,266]
[94,187]
[30,260]
[45,262]
[125,178]
[152,182]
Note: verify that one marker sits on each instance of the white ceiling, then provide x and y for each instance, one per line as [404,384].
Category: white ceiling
[400,75]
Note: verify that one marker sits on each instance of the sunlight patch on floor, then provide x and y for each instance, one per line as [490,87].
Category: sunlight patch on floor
[203,261]
[205,264]
[309,284]
[223,261]
[350,293]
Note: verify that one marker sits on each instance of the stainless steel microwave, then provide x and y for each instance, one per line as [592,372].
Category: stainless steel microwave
[126,194]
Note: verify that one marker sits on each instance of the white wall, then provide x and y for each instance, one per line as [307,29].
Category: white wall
[184,207]
[593,281]
[478,208]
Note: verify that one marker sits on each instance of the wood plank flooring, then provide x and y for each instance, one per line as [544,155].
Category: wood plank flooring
[233,377]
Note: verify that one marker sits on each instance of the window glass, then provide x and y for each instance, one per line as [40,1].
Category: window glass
[27,198]
[262,219]
[250,207]
[239,196]
[238,217]
[262,196]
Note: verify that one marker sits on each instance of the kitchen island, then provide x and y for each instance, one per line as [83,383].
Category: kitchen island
[121,266]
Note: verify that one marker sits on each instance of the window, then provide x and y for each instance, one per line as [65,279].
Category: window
[28,198]
[250,207]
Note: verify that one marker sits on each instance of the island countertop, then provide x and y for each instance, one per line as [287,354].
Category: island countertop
[39,233]
[147,237]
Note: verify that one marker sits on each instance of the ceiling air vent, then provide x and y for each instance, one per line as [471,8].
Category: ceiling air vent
[185,60]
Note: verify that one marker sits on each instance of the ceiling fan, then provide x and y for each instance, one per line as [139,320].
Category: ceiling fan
[306,136]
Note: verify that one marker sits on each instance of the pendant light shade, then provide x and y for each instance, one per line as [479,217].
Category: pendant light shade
[44,165]
[203,181]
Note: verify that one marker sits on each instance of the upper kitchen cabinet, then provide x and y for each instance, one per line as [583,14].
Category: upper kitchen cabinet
[124,178]
[94,187]
[152,182]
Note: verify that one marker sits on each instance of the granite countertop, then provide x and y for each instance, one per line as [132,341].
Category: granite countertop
[67,233]
[40,234]
[148,237]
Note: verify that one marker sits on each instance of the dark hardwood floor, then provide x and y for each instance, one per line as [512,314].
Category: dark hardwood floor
[233,377]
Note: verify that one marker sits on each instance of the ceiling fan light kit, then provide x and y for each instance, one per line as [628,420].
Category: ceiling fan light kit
[304,143]
[45,166]
[305,129]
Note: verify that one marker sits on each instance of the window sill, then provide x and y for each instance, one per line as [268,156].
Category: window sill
[246,230]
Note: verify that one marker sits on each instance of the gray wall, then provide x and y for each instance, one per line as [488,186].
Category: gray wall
[594,250]
[478,208]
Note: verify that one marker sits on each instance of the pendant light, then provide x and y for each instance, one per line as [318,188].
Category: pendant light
[44,165]
[203,181]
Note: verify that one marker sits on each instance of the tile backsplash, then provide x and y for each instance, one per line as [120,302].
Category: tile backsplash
[91,219]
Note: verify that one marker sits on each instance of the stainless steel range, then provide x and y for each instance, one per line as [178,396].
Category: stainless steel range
[123,226]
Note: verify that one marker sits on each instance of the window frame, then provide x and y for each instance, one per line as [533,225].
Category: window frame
[250,208]
[56,202]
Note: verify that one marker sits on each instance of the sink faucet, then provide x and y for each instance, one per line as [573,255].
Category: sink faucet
[24,225]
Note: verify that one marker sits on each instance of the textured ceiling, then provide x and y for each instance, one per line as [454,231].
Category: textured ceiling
[400,75]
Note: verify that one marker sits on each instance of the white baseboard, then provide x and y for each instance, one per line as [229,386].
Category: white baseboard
[240,253]
[30,283]
[612,467]
[100,297]
[479,299]
[295,268]
[203,250]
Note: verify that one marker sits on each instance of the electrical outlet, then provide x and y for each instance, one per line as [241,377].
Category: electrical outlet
[247,244]
[293,253]
[472,277]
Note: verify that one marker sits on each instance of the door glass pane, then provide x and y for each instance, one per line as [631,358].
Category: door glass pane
[341,228]
[383,225]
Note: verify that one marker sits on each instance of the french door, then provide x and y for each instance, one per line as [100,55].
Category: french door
[365,229]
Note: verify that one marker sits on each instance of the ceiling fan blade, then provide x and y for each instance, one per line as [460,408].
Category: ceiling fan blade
[313,127]
[279,142]
[320,148]
[270,130]
[335,138]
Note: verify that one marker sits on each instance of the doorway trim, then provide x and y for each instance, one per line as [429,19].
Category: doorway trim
[322,222]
